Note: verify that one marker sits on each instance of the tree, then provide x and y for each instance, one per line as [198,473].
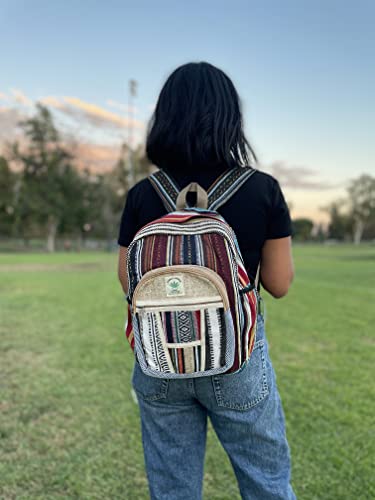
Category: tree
[120,178]
[117,183]
[302,229]
[340,225]
[7,197]
[320,234]
[50,185]
[142,164]
[361,202]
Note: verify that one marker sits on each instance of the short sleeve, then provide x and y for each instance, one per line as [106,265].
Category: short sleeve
[129,222]
[279,222]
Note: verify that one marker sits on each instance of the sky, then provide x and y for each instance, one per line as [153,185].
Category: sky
[304,71]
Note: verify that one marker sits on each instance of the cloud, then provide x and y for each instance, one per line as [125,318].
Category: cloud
[75,114]
[9,118]
[52,101]
[90,113]
[122,107]
[98,158]
[295,177]
[95,133]
[21,98]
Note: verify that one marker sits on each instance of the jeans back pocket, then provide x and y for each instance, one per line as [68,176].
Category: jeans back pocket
[247,387]
[148,387]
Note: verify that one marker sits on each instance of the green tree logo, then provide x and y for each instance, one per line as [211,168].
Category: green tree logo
[174,286]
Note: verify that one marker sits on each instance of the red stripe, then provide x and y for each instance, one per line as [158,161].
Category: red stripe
[129,328]
[173,217]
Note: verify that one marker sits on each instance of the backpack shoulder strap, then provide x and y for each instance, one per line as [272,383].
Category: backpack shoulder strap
[227,184]
[218,193]
[166,187]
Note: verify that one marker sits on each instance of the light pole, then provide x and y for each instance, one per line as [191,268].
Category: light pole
[132,93]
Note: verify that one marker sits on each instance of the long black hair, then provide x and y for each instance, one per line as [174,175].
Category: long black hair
[197,122]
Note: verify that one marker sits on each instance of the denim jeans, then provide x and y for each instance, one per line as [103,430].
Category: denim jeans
[246,413]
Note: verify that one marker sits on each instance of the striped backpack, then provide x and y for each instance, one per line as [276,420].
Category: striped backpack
[192,309]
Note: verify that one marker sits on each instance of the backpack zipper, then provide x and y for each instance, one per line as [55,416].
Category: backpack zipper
[179,307]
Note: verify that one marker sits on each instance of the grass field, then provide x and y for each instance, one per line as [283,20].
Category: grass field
[70,429]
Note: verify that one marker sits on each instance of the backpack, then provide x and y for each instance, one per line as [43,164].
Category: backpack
[192,310]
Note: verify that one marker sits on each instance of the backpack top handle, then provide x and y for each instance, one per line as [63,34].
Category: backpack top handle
[194,187]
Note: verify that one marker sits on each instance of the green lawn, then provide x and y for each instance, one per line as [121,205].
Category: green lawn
[70,428]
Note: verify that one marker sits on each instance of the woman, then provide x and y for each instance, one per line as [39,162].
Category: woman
[195,134]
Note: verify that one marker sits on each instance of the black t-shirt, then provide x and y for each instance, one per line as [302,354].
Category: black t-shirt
[256,212]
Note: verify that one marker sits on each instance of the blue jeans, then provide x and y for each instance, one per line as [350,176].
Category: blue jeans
[246,413]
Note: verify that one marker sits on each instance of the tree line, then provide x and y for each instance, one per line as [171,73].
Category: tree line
[351,218]
[47,196]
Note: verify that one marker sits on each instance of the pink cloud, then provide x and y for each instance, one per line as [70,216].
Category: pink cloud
[296,177]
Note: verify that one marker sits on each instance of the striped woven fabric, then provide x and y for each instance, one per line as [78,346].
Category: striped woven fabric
[182,328]
[218,193]
[200,238]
